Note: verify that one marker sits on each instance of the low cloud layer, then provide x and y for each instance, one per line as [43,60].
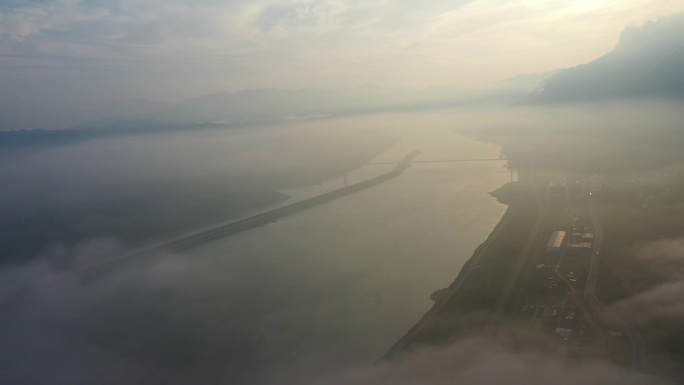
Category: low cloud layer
[485,361]
[171,320]
[654,274]
[661,305]
[157,322]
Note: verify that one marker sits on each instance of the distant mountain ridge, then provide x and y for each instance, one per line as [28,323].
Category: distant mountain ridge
[252,106]
[267,105]
[648,62]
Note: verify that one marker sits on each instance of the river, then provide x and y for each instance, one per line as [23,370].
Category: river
[338,284]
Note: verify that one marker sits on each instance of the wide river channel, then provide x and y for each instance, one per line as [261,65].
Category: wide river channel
[336,285]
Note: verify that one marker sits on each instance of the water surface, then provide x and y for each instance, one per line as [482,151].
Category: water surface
[338,284]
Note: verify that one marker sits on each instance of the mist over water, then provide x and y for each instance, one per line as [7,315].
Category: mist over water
[351,277]
[318,291]
[270,192]
[314,297]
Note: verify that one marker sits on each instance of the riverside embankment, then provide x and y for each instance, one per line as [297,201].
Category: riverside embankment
[479,285]
[442,297]
[196,239]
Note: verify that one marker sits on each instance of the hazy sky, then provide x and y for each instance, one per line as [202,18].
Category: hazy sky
[71,51]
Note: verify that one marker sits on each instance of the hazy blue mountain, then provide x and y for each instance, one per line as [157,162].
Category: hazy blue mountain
[525,82]
[123,109]
[50,120]
[255,106]
[647,62]
[268,105]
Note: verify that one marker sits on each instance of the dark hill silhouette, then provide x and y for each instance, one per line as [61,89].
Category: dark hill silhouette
[647,62]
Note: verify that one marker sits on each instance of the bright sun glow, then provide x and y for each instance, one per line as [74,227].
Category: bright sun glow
[582,6]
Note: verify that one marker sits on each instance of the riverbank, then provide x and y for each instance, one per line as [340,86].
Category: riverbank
[471,300]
